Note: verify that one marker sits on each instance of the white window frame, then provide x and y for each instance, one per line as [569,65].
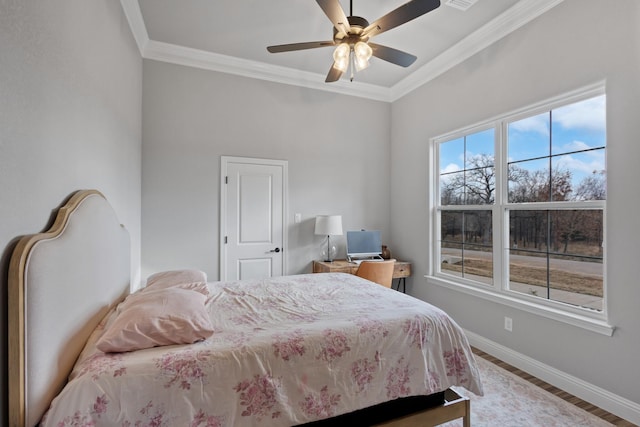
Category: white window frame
[593,320]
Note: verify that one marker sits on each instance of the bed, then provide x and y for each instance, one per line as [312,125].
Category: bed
[293,350]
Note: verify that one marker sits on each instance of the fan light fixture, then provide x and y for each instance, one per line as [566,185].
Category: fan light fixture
[359,54]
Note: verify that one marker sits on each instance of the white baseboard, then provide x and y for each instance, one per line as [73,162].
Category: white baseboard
[624,408]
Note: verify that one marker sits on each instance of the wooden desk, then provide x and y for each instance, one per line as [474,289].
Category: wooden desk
[401,269]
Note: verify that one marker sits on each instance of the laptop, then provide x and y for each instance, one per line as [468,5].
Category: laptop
[364,245]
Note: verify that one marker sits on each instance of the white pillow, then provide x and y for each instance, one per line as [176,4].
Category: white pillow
[187,279]
[157,317]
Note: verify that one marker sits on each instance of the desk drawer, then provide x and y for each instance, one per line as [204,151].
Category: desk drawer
[338,266]
[401,269]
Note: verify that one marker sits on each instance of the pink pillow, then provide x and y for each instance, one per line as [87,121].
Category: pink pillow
[157,317]
[187,279]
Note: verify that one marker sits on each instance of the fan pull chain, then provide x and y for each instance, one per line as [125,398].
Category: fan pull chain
[352,63]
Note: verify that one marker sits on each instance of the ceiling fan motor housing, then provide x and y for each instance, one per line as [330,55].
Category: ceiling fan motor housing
[357,24]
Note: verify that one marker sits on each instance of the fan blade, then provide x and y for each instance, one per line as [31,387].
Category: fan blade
[401,15]
[336,15]
[298,46]
[392,55]
[334,74]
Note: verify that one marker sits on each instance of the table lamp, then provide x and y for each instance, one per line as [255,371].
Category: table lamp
[329,225]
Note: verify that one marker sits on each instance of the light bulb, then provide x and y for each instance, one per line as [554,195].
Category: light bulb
[362,52]
[341,57]
[360,63]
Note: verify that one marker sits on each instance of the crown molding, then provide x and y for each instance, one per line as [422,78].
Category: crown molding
[515,17]
[189,57]
[133,14]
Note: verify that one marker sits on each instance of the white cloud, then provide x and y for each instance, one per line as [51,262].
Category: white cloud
[574,145]
[593,161]
[451,167]
[588,114]
[538,124]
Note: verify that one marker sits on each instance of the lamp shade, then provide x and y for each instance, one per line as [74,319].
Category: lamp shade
[329,225]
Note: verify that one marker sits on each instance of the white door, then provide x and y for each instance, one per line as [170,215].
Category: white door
[253,207]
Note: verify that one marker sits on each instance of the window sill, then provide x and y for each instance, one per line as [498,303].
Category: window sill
[575,319]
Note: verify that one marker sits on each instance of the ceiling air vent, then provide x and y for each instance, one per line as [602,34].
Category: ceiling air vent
[461,4]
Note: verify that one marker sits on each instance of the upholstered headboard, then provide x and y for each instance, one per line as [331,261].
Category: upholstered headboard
[61,284]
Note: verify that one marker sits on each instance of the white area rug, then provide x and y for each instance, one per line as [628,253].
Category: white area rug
[511,401]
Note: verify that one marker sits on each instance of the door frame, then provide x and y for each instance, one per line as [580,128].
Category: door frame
[224,162]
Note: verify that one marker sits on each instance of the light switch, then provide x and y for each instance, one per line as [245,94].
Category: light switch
[297,218]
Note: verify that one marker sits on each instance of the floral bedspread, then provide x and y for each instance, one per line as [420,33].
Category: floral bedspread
[286,351]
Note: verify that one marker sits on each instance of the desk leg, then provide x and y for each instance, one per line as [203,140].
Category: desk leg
[401,281]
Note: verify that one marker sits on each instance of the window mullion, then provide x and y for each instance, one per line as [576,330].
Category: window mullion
[433,206]
[565,205]
[499,221]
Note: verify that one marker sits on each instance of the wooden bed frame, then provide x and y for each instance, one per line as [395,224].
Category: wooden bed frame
[63,281]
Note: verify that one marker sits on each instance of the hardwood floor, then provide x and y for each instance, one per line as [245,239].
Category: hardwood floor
[613,419]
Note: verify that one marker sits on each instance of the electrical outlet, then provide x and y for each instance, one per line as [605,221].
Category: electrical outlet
[508,323]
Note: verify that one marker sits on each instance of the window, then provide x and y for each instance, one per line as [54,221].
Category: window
[520,202]
[467,190]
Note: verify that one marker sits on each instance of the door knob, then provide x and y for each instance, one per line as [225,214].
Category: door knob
[276,250]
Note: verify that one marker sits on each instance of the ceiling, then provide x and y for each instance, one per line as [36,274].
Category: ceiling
[232,36]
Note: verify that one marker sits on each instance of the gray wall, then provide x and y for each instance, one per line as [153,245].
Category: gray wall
[337,148]
[71,84]
[577,43]
[70,91]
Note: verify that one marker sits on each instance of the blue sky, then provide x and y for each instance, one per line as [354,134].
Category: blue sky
[574,127]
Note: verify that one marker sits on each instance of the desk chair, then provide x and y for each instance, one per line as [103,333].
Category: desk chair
[380,272]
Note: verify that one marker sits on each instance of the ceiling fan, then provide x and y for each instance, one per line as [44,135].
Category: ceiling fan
[352,35]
